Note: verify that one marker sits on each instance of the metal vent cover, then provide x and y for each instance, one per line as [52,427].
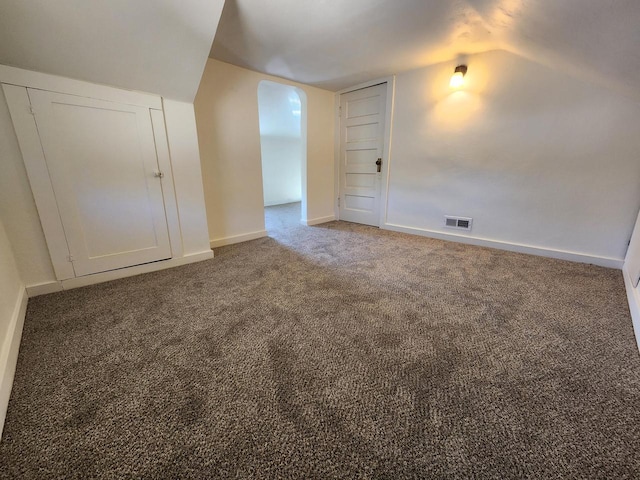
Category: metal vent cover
[461,223]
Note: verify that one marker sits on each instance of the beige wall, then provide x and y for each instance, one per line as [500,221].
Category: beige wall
[11,289]
[12,311]
[229,135]
[536,157]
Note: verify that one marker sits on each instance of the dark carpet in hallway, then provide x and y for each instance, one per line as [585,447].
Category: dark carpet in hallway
[336,351]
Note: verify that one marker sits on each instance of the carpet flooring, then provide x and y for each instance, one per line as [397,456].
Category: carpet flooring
[335,351]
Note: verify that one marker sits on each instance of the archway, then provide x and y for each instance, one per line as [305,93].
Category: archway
[283,143]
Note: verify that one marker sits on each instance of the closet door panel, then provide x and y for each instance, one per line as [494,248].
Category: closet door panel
[104,171]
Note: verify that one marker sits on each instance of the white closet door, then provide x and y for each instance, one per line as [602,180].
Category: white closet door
[103,167]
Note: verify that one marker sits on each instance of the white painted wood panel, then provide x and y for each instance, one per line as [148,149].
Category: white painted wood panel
[54,83]
[102,162]
[363,107]
[167,182]
[33,156]
[180,122]
[361,145]
[632,260]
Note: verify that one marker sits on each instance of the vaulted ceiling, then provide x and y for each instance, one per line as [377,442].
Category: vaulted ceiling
[160,46]
[157,46]
[334,44]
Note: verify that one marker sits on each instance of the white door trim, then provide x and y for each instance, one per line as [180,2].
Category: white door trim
[54,83]
[386,151]
[370,83]
[38,173]
[168,188]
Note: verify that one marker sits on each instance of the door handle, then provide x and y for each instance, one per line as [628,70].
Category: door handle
[379,164]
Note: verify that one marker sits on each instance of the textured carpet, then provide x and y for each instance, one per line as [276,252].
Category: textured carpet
[336,351]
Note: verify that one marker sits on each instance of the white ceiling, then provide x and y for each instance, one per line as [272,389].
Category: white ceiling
[157,46]
[160,46]
[335,44]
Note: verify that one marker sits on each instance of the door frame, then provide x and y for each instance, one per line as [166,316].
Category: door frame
[390,82]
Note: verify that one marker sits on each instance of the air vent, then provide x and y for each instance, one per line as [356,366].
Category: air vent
[462,223]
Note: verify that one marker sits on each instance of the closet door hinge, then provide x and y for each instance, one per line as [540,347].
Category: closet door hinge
[340,111]
[338,202]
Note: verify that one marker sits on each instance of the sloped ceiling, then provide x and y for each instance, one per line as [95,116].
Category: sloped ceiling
[157,46]
[335,44]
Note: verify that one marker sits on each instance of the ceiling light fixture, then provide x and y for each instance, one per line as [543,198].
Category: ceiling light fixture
[457,79]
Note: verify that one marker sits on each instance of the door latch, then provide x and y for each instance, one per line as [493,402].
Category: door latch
[379,164]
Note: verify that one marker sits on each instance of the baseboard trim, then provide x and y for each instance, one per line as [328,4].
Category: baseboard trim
[43,288]
[245,237]
[9,353]
[317,221]
[633,297]
[57,286]
[512,247]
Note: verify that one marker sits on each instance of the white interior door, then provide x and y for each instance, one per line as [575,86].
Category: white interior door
[361,146]
[103,167]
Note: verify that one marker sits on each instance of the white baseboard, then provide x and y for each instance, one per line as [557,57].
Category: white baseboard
[512,247]
[44,288]
[245,237]
[57,286]
[318,221]
[137,270]
[9,353]
[633,297]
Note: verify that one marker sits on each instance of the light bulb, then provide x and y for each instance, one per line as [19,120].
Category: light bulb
[457,80]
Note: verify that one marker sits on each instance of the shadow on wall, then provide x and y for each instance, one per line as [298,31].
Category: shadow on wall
[283,143]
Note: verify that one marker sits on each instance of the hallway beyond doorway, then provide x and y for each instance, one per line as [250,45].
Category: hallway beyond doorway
[279,218]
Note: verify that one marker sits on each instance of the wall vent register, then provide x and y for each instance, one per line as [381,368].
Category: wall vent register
[462,223]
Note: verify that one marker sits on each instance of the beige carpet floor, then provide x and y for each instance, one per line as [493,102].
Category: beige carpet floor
[335,351]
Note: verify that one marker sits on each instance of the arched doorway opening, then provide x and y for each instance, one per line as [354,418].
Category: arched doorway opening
[283,145]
